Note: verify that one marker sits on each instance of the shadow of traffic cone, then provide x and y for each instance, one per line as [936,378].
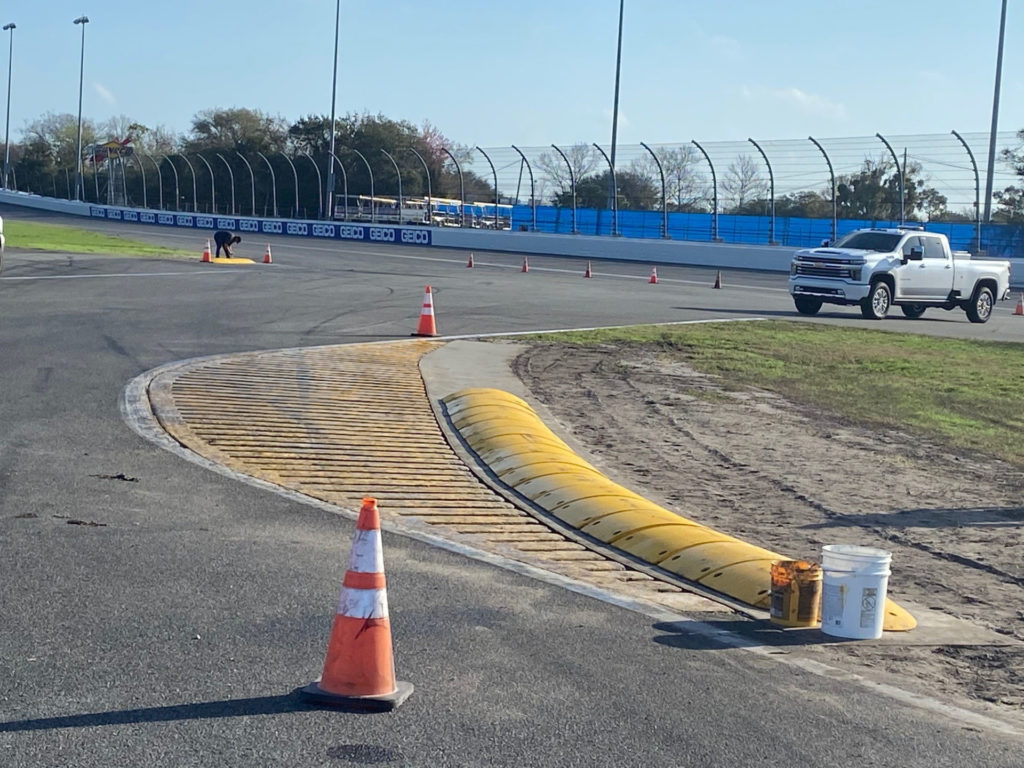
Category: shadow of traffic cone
[588,273]
[718,280]
[654,276]
[267,258]
[1019,310]
[206,254]
[469,263]
[526,264]
[427,325]
[359,672]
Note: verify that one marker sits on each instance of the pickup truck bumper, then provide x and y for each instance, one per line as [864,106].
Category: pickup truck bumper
[830,291]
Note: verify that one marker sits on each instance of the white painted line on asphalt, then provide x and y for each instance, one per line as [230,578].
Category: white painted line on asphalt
[119,274]
[137,413]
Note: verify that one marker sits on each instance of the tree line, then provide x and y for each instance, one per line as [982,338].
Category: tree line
[256,148]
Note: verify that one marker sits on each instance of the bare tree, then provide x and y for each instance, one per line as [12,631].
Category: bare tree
[582,157]
[742,182]
[685,186]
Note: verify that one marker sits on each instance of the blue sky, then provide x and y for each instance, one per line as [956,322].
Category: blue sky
[532,72]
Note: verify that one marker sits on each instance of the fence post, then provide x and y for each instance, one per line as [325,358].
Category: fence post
[572,186]
[714,193]
[832,177]
[664,193]
[977,195]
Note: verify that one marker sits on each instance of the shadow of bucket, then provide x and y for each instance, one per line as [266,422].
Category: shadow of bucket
[796,593]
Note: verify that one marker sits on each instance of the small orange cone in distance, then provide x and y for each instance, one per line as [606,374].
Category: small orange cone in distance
[1020,306]
[718,280]
[588,273]
[206,253]
[470,262]
[654,276]
[267,258]
[427,326]
[359,672]
[526,265]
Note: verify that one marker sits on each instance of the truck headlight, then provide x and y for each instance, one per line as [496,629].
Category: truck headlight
[792,268]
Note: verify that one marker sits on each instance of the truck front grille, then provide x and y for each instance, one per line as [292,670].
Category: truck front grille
[823,269]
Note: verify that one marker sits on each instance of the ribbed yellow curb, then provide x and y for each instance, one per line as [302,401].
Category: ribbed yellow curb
[518,447]
[231,260]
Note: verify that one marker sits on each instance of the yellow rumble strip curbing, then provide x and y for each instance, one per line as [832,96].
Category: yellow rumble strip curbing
[529,458]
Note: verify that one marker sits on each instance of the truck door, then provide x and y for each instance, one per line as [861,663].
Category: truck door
[908,274]
[934,275]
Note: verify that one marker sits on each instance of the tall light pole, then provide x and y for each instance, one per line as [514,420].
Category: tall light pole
[7,132]
[83,20]
[615,106]
[334,94]
[995,119]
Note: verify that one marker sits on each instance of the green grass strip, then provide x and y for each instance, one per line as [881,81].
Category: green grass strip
[36,236]
[968,394]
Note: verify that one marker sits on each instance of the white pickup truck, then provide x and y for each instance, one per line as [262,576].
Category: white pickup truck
[906,267]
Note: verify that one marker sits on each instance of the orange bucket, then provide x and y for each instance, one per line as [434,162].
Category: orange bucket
[796,593]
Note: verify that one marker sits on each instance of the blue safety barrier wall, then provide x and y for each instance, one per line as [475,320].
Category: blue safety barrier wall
[1004,241]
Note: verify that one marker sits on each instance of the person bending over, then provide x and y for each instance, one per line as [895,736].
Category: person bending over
[223,241]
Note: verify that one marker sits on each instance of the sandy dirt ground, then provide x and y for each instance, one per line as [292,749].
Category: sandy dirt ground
[758,467]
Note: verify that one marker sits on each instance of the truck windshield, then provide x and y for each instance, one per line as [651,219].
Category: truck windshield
[883,242]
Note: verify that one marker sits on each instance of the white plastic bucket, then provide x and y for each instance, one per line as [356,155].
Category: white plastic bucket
[854,585]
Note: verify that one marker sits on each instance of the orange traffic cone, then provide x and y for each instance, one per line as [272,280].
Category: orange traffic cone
[1020,306]
[588,273]
[654,276]
[267,258]
[427,325]
[206,254]
[470,262]
[359,672]
[718,280]
[526,265]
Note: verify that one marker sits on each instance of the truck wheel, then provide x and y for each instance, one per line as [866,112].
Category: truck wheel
[805,305]
[913,311]
[979,310]
[875,306]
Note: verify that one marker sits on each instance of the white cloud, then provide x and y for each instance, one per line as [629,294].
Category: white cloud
[810,104]
[104,93]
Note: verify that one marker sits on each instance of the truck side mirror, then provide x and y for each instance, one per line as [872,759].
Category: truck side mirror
[916,254]
[825,243]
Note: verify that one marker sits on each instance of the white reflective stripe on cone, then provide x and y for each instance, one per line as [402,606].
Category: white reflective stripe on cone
[367,553]
[363,603]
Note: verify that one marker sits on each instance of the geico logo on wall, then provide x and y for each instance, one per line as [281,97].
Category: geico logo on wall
[272,227]
[99,213]
[186,221]
[204,222]
[382,235]
[113,213]
[298,229]
[147,218]
[351,233]
[416,236]
[166,218]
[249,226]
[323,230]
[225,223]
[131,216]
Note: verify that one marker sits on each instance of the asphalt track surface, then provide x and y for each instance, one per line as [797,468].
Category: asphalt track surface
[175,630]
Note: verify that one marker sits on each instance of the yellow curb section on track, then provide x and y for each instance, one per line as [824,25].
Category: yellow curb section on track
[518,447]
[231,260]
[343,422]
